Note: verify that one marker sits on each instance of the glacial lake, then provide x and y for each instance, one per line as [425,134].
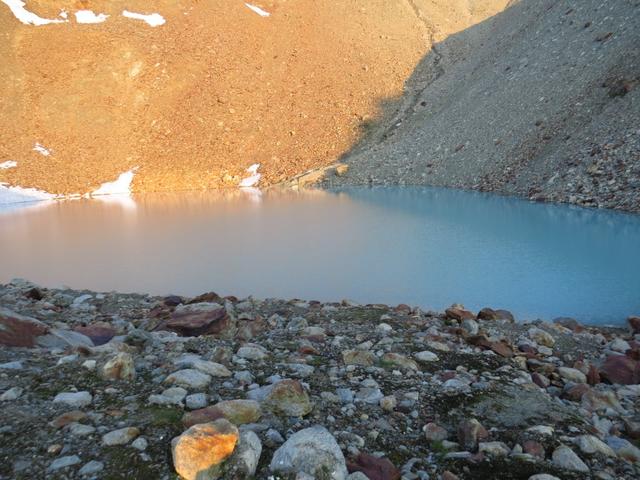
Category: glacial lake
[421,246]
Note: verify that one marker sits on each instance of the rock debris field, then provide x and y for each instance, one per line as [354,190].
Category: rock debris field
[110,386]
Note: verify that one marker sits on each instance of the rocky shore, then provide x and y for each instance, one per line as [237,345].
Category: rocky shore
[111,386]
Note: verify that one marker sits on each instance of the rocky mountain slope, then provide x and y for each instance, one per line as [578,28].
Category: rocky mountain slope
[540,100]
[210,89]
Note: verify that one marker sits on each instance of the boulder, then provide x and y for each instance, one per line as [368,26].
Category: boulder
[244,461]
[289,398]
[363,358]
[19,330]
[313,451]
[120,367]
[198,454]
[566,458]
[99,333]
[238,412]
[621,369]
[459,314]
[197,319]
[373,467]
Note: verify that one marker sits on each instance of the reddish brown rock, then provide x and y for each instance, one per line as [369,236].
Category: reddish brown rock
[540,380]
[634,323]
[198,319]
[482,341]
[621,369]
[99,333]
[576,392]
[470,432]
[533,448]
[237,412]
[459,314]
[209,297]
[67,418]
[373,467]
[447,475]
[570,323]
[491,314]
[593,376]
[18,330]
[249,328]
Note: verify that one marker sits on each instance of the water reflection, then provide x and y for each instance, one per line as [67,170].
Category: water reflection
[428,247]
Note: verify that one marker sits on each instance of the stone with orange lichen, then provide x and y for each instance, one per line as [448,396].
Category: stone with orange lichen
[200,451]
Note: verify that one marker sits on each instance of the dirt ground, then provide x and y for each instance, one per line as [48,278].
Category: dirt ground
[197,100]
[218,87]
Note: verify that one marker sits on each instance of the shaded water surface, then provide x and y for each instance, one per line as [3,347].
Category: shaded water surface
[421,246]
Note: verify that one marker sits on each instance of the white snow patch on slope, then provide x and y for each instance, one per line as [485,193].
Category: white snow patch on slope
[121,186]
[27,17]
[9,195]
[154,19]
[8,164]
[87,16]
[42,149]
[258,10]
[254,177]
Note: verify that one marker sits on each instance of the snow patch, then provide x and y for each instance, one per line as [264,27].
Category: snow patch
[8,164]
[258,10]
[154,19]
[121,186]
[254,177]
[9,195]
[27,17]
[87,16]
[41,149]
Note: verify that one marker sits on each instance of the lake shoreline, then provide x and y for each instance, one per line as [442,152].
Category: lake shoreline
[101,382]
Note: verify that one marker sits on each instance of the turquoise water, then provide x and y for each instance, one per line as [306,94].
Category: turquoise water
[422,246]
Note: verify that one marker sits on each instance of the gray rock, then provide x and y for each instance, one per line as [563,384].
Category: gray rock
[252,351]
[17,365]
[171,396]
[58,338]
[211,368]
[196,400]
[91,468]
[589,444]
[81,430]
[140,443]
[121,436]
[426,356]
[74,399]
[470,326]
[624,448]
[245,458]
[566,458]
[311,451]
[543,476]
[64,462]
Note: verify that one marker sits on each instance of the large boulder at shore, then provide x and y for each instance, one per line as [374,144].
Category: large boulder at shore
[198,319]
[19,330]
[199,452]
[621,369]
[313,451]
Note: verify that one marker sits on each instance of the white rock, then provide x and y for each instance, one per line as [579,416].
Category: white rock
[189,378]
[211,368]
[426,356]
[619,345]
[171,396]
[543,476]
[541,337]
[81,430]
[566,458]
[541,429]
[311,451]
[11,394]
[572,375]
[496,449]
[196,401]
[252,352]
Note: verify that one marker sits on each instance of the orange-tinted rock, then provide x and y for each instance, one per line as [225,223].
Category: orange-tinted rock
[570,323]
[491,314]
[621,369]
[373,467]
[199,452]
[18,330]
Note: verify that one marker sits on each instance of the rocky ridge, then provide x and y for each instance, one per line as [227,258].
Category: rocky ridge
[108,385]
